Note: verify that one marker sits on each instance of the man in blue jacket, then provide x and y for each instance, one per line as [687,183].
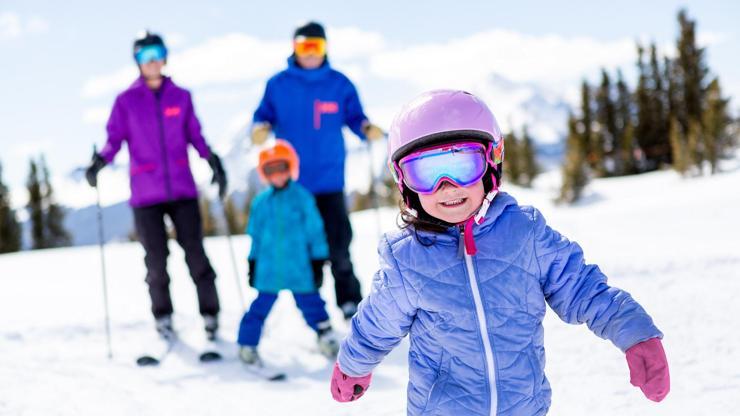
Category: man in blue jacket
[307,104]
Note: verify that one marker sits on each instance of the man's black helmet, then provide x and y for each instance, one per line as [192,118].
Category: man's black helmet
[310,30]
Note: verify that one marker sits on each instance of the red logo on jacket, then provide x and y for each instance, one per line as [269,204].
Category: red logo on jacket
[323,107]
[171,111]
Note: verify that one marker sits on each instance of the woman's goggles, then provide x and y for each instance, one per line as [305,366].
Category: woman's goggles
[150,53]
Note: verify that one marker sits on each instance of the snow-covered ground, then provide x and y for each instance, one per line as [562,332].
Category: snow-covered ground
[673,243]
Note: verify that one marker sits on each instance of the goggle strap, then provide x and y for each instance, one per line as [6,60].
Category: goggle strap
[485,205]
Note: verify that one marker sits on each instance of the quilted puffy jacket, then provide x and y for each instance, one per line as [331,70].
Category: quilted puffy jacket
[287,233]
[476,343]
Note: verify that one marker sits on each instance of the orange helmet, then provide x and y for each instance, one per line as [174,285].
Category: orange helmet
[282,150]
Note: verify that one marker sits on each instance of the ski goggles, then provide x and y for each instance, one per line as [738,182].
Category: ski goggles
[424,171]
[309,46]
[279,166]
[150,53]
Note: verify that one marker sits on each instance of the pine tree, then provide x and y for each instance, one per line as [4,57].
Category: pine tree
[606,120]
[55,233]
[659,116]
[528,159]
[650,130]
[512,167]
[678,146]
[209,222]
[234,218]
[575,177]
[594,147]
[624,145]
[694,143]
[35,208]
[692,69]
[10,230]
[716,121]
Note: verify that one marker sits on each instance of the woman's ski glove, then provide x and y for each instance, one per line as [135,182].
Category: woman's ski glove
[649,369]
[91,174]
[219,175]
[345,388]
[260,131]
[371,131]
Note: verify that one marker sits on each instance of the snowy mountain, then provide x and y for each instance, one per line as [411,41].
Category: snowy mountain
[675,251]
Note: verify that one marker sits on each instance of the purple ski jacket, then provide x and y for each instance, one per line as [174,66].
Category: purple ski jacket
[157,129]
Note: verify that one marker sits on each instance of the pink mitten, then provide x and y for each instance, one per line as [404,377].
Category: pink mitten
[345,388]
[649,369]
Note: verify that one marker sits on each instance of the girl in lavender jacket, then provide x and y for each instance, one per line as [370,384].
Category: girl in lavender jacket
[470,274]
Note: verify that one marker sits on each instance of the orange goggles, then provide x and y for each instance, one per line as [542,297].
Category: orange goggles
[309,46]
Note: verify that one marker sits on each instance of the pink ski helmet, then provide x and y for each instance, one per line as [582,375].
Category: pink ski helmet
[441,116]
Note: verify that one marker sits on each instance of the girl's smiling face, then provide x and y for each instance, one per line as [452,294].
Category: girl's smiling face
[453,204]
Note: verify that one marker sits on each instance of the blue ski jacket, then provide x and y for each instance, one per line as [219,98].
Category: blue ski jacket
[475,322]
[287,233]
[308,108]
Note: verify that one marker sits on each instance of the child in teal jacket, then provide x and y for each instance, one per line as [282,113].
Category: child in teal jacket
[288,251]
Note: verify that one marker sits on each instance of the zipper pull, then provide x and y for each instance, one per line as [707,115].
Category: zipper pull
[467,237]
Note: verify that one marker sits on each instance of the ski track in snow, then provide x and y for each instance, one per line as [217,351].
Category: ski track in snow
[673,243]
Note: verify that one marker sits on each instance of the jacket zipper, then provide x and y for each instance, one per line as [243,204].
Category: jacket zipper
[163,144]
[483,326]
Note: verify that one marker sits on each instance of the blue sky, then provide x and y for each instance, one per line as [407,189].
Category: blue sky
[63,62]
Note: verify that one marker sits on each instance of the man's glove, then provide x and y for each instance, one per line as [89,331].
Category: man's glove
[91,173]
[317,266]
[251,271]
[372,132]
[219,175]
[260,131]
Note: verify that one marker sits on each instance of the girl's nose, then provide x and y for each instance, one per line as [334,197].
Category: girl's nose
[446,183]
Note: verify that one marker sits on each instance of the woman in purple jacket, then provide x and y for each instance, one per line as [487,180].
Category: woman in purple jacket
[157,120]
[469,278]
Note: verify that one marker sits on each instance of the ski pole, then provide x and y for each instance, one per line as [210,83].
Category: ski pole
[231,254]
[373,194]
[101,243]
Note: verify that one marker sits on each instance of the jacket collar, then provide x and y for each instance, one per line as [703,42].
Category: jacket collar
[310,75]
[140,83]
[452,234]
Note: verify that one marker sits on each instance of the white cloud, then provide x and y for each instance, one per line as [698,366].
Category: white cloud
[706,39]
[231,58]
[10,25]
[239,57]
[175,40]
[95,115]
[13,26]
[551,60]
[113,82]
[346,43]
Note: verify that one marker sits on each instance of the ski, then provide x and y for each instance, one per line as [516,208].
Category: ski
[264,373]
[148,360]
[211,351]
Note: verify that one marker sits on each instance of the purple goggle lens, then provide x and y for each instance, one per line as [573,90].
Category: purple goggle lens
[150,53]
[461,163]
